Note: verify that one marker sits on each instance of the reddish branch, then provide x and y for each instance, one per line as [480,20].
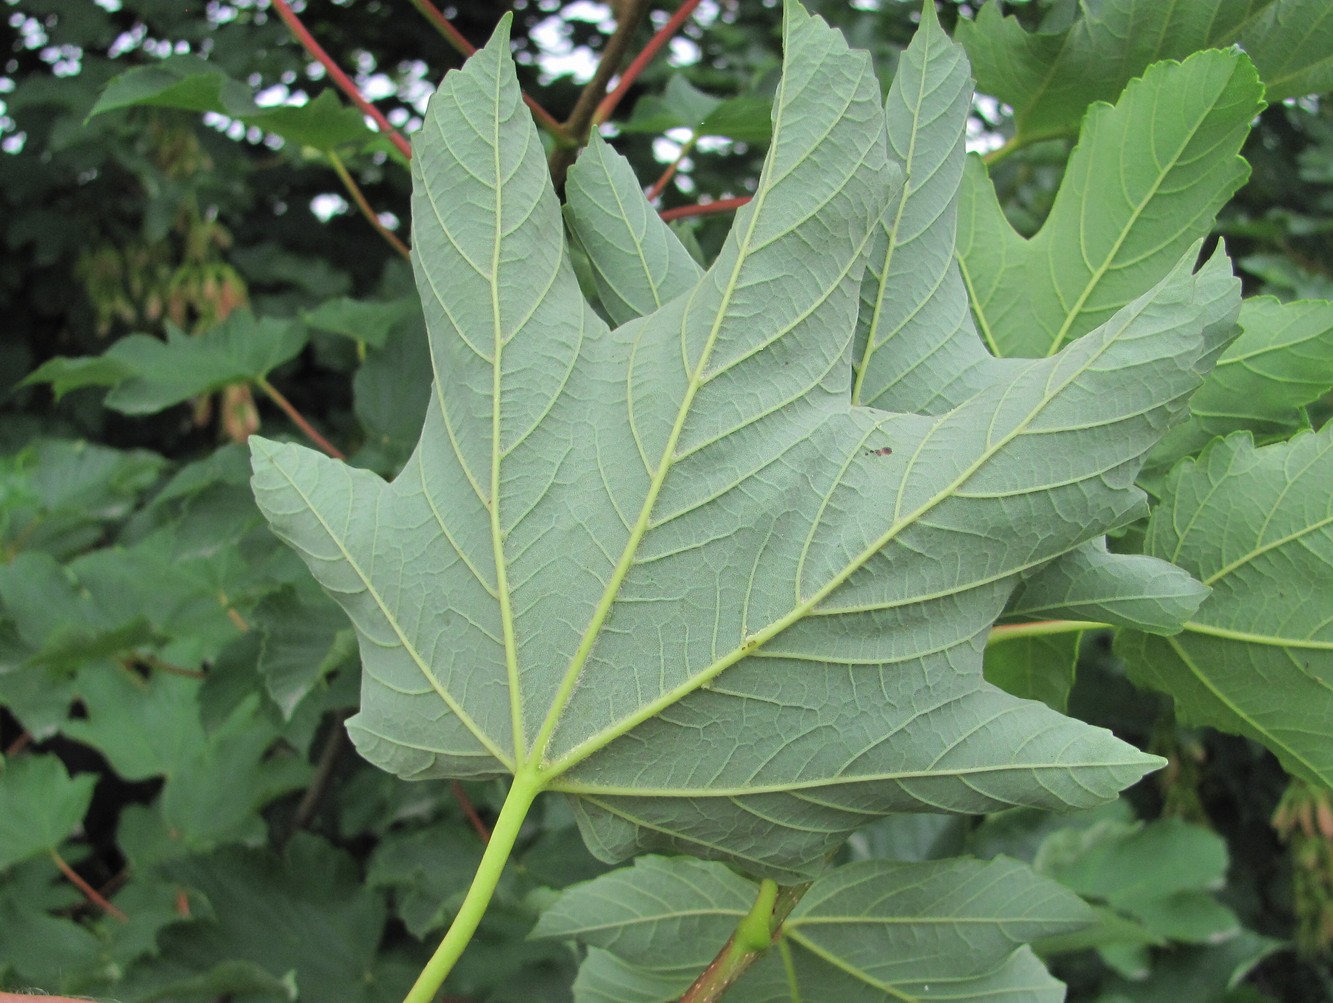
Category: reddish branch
[299,420]
[465,48]
[343,81]
[89,892]
[609,103]
[705,208]
[581,118]
[470,810]
[359,197]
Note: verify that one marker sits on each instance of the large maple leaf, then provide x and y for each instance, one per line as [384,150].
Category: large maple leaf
[669,569]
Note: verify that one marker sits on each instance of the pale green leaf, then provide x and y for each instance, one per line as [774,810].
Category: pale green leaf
[666,914]
[872,930]
[1255,524]
[1140,188]
[1282,361]
[637,262]
[918,350]
[1130,590]
[40,805]
[1020,978]
[1050,78]
[610,544]
[896,929]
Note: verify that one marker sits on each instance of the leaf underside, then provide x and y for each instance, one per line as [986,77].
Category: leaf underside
[673,569]
[1257,658]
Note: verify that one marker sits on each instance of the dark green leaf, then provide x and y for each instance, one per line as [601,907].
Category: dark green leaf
[40,805]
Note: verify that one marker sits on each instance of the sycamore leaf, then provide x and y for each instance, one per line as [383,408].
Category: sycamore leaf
[916,346]
[1089,583]
[1050,78]
[918,350]
[867,931]
[40,805]
[1256,526]
[670,569]
[1140,188]
[195,84]
[637,262]
[1282,361]
[147,374]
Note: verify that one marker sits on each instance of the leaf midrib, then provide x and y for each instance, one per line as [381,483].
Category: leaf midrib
[643,523]
[600,739]
[1099,273]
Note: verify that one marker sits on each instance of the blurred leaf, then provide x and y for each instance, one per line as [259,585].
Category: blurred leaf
[1197,973]
[305,637]
[195,84]
[145,726]
[180,81]
[304,912]
[370,321]
[741,119]
[427,870]
[1128,864]
[49,951]
[151,375]
[40,805]
[680,106]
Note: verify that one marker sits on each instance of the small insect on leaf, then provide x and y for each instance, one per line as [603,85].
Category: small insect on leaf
[881,451]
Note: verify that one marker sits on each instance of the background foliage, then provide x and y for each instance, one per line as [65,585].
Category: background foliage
[180,814]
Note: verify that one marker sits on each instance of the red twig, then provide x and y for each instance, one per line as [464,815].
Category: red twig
[362,203]
[299,420]
[659,186]
[340,78]
[641,61]
[451,34]
[465,48]
[470,810]
[18,745]
[705,209]
[89,892]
